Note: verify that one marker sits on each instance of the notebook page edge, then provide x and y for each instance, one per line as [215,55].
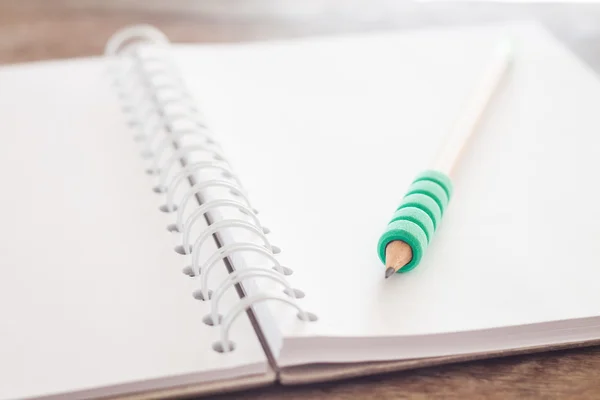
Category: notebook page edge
[315,373]
[201,384]
[299,351]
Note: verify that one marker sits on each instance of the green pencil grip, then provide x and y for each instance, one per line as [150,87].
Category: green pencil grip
[418,215]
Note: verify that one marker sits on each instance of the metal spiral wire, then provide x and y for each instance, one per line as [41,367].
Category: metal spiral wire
[161,111]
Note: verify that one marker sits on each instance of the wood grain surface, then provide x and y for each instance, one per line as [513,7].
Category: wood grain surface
[43,29]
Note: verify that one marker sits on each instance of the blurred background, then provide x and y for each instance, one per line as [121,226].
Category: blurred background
[33,30]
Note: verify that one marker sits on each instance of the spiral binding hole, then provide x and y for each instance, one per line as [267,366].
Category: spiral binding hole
[165,208]
[152,171]
[198,295]
[285,270]
[219,348]
[309,317]
[173,228]
[275,249]
[179,249]
[189,271]
[266,230]
[159,189]
[208,320]
[294,293]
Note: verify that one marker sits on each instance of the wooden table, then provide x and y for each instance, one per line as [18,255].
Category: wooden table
[35,30]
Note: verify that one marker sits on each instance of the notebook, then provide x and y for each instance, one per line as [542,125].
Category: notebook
[192,219]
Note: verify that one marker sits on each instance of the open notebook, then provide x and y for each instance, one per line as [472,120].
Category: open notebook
[184,219]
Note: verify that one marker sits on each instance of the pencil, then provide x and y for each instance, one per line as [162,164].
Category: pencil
[408,234]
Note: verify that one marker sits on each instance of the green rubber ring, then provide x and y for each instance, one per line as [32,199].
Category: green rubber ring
[408,232]
[418,216]
[438,177]
[425,203]
[431,189]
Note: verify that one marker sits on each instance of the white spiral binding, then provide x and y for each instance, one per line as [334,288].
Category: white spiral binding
[239,276]
[188,170]
[156,101]
[225,345]
[205,208]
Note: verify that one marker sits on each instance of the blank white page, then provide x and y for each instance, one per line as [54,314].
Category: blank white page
[327,134]
[92,296]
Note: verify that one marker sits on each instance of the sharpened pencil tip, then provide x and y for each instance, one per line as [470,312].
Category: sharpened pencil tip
[389,272]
